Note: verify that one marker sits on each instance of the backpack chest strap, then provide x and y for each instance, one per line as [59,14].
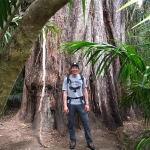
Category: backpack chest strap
[81,97]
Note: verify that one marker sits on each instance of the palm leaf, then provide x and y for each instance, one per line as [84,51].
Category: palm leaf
[128,4]
[146,19]
[108,66]
[122,71]
[145,139]
[128,54]
[146,143]
[83,6]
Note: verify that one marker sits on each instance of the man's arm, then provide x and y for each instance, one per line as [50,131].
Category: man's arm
[85,92]
[66,110]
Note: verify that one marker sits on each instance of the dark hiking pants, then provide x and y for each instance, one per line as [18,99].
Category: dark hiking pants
[84,118]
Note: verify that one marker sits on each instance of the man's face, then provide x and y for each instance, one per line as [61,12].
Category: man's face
[74,70]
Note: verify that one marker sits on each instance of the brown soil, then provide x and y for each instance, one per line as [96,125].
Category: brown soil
[15,135]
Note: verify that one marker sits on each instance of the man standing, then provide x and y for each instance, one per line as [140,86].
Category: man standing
[74,86]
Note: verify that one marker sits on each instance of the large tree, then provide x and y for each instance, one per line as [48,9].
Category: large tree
[101,24]
[19,48]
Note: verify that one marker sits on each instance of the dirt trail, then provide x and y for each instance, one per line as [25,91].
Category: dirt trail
[16,135]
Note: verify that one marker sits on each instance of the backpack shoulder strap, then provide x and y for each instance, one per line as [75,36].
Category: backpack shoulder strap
[82,78]
[68,79]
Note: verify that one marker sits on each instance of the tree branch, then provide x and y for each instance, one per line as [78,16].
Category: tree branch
[19,48]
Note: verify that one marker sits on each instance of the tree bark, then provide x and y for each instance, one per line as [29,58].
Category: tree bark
[20,46]
[101,24]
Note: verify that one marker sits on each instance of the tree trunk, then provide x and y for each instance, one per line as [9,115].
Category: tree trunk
[101,24]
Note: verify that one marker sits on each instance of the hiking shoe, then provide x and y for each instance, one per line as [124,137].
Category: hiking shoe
[72,145]
[91,146]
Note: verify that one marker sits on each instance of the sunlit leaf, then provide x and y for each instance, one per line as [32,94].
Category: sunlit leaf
[70,7]
[146,19]
[83,6]
[127,4]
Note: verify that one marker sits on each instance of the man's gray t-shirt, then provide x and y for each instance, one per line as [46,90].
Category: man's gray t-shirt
[74,88]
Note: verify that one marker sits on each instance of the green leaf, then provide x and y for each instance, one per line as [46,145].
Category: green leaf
[3,9]
[54,31]
[146,19]
[83,6]
[146,75]
[108,66]
[128,4]
[126,73]
[70,8]
[123,71]
[13,2]
[147,142]
[93,56]
[105,61]
[142,132]
[100,55]
[94,4]
[5,36]
[139,144]
[132,74]
[8,7]
[1,20]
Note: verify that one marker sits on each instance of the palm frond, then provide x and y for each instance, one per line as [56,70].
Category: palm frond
[127,4]
[55,31]
[146,19]
[93,51]
[133,69]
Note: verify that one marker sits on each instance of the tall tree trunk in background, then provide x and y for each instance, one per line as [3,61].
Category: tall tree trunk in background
[101,24]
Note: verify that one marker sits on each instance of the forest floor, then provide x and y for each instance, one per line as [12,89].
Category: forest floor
[15,135]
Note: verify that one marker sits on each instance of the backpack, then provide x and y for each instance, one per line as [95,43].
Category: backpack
[68,79]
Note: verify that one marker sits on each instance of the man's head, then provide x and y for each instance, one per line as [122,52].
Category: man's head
[74,69]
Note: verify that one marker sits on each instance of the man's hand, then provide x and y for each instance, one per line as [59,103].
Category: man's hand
[87,108]
[66,110]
